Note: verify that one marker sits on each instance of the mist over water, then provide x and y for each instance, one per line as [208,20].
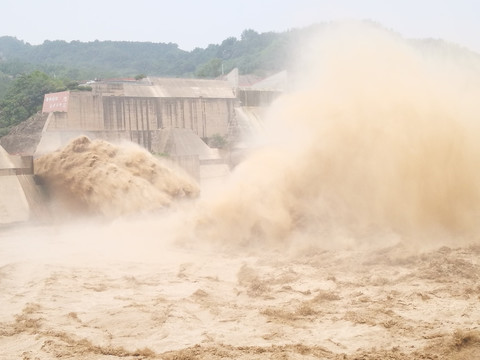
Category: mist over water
[376,141]
[378,136]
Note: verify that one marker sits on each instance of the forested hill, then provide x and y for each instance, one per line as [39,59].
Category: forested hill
[254,53]
[260,53]
[28,71]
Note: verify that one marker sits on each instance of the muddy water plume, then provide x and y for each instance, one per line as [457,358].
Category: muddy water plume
[377,137]
[97,177]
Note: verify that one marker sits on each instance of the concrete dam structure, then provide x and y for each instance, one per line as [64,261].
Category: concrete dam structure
[167,116]
[138,111]
[21,199]
[141,110]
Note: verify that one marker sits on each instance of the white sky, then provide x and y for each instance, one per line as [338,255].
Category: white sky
[197,23]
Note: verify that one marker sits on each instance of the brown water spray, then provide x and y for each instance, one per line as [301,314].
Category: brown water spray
[378,135]
[96,177]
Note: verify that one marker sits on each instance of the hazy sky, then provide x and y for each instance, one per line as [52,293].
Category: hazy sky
[197,23]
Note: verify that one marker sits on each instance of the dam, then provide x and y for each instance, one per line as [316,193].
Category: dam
[172,117]
[144,111]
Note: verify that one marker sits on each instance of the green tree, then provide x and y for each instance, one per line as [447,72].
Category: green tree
[25,97]
[217,141]
[210,69]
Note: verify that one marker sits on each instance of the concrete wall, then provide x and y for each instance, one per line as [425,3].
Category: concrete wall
[205,117]
[138,118]
[85,112]
[21,199]
[13,203]
[254,97]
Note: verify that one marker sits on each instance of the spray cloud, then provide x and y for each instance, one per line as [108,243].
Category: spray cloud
[378,136]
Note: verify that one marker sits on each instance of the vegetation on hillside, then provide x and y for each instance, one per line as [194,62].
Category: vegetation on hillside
[254,52]
[28,71]
[24,97]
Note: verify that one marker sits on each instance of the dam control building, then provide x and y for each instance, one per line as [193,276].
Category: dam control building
[146,111]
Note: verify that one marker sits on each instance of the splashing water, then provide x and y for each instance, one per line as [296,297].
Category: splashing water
[377,137]
[97,177]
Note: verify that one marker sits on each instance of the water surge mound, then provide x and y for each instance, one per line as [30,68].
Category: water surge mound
[97,177]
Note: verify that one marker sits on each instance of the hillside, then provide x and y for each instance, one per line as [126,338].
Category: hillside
[24,137]
[61,65]
[252,53]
